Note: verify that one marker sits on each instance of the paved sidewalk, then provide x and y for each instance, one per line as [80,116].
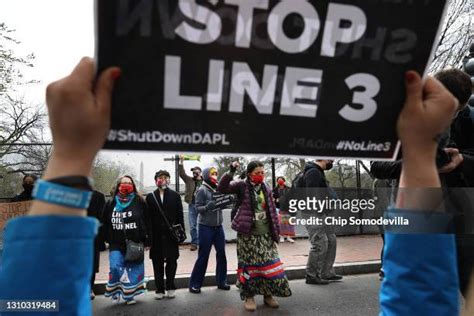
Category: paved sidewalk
[349,249]
[356,295]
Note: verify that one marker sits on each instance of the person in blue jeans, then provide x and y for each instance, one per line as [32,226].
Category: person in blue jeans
[192,185]
[211,233]
[421,276]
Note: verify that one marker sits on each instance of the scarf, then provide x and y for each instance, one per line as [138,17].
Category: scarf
[123,202]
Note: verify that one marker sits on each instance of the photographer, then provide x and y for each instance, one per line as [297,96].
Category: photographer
[448,159]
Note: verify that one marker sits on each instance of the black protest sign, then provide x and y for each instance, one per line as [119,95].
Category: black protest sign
[291,77]
[223,200]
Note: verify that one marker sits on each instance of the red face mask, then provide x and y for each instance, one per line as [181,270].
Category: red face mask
[125,188]
[161,182]
[257,179]
[213,179]
[281,182]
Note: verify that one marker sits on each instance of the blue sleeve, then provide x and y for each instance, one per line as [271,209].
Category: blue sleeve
[420,275]
[49,258]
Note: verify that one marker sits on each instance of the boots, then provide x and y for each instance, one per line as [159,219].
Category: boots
[271,302]
[250,304]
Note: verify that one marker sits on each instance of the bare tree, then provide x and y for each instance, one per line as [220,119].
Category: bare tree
[105,174]
[222,163]
[20,121]
[455,37]
[288,167]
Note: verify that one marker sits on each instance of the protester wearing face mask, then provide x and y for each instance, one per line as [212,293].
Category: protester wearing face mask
[260,270]
[211,233]
[322,254]
[28,184]
[125,218]
[192,186]
[164,249]
[279,195]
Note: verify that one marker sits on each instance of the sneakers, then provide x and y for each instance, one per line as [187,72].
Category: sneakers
[289,239]
[271,302]
[193,248]
[250,304]
[131,302]
[170,294]
[225,287]
[159,296]
[316,281]
[194,290]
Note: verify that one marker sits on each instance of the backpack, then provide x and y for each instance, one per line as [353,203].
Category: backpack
[298,181]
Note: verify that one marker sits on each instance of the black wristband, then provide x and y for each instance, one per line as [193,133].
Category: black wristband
[78,182]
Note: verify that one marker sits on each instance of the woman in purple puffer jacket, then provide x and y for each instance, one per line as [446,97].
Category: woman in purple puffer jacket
[260,270]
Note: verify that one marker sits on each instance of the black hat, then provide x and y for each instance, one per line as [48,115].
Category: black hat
[162,173]
[192,169]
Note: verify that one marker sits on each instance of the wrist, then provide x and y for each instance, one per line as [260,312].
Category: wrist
[59,166]
[419,155]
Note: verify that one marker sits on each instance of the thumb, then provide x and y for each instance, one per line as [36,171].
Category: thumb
[104,87]
[414,90]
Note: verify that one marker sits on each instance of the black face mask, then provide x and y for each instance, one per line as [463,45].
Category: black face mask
[328,166]
[27,187]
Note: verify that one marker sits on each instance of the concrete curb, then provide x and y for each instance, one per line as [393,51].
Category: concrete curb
[293,273]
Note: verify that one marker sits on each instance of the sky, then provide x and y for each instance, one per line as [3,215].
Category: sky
[59,33]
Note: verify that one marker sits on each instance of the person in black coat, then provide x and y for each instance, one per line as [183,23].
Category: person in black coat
[125,218]
[96,209]
[28,184]
[164,249]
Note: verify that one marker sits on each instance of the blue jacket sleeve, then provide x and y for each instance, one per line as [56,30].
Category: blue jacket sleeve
[420,275]
[49,258]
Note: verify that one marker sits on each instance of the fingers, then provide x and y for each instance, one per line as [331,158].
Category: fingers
[451,151]
[448,168]
[414,90]
[104,87]
[84,71]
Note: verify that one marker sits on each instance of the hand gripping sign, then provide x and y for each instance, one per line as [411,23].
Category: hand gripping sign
[289,77]
[223,200]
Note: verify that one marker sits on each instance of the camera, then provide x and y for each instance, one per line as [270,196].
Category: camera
[442,157]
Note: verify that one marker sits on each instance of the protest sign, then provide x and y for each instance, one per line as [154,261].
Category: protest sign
[290,77]
[223,200]
[11,210]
